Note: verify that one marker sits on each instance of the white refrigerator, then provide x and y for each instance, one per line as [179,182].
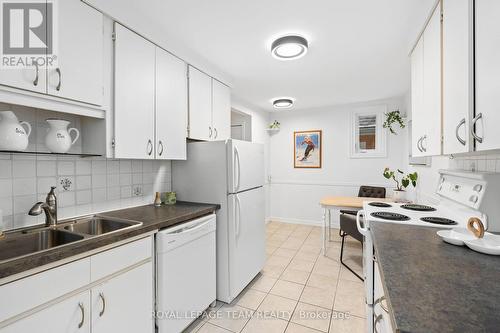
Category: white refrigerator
[229,173]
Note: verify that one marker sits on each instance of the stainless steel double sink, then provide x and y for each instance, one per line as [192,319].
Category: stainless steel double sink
[20,243]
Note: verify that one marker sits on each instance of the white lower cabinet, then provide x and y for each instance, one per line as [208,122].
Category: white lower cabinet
[124,303]
[71,315]
[381,315]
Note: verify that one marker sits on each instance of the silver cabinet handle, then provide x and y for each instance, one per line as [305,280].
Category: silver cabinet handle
[460,124]
[160,148]
[82,310]
[422,143]
[418,144]
[473,130]
[150,147]
[210,131]
[216,133]
[35,82]
[375,322]
[58,70]
[383,303]
[103,300]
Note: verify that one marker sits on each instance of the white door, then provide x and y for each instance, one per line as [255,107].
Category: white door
[431,142]
[417,97]
[33,78]
[245,165]
[246,238]
[457,75]
[124,303]
[79,72]
[487,113]
[134,95]
[221,110]
[171,106]
[71,315]
[200,105]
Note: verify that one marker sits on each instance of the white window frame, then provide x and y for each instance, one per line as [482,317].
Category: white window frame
[380,150]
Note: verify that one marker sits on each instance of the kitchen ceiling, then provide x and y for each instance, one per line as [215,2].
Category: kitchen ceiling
[358,48]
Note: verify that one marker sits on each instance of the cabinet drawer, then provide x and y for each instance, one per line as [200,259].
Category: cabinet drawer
[114,260]
[25,294]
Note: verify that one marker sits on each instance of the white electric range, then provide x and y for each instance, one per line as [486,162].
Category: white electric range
[461,195]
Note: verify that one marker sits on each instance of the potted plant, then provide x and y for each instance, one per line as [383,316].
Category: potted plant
[402,182]
[391,118]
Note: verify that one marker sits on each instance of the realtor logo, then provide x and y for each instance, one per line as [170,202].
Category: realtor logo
[27,33]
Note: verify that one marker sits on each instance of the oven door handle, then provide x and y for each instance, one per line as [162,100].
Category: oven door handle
[362,230]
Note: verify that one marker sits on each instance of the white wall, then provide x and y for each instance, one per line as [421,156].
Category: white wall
[295,193]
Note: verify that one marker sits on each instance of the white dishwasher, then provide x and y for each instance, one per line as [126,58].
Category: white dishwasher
[186,268]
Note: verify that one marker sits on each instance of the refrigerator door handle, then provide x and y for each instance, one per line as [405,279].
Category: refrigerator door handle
[237,164]
[237,217]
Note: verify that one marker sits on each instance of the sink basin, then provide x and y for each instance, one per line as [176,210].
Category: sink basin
[99,225]
[32,242]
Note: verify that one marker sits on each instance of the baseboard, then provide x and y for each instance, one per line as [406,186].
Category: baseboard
[335,224]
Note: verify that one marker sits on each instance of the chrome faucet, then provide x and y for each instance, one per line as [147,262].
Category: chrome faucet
[49,207]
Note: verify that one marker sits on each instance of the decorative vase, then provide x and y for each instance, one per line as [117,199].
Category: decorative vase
[169,198]
[58,139]
[399,195]
[13,135]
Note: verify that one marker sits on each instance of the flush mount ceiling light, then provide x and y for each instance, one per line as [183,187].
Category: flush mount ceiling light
[283,103]
[289,47]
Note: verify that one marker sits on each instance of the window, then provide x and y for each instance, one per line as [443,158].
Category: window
[368,136]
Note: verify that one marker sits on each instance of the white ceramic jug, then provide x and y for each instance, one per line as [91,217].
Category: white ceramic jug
[58,139]
[13,135]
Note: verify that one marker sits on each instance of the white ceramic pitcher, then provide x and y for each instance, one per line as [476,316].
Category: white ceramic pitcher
[58,139]
[13,135]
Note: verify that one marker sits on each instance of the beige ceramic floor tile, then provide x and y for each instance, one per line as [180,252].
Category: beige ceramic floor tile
[327,270]
[312,316]
[250,299]
[328,261]
[195,326]
[322,281]
[277,307]
[272,270]
[317,296]
[301,265]
[347,287]
[292,243]
[231,317]
[294,275]
[345,274]
[310,248]
[286,253]
[209,328]
[287,289]
[295,328]
[275,260]
[277,236]
[270,249]
[351,325]
[353,304]
[307,256]
[263,283]
[260,324]
[274,243]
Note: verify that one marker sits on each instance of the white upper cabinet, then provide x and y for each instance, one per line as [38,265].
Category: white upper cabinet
[200,105]
[134,95]
[431,115]
[171,106]
[79,72]
[221,110]
[32,79]
[458,75]
[487,48]
[417,97]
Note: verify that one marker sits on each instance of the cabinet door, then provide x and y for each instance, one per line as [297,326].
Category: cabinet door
[221,110]
[171,106]
[68,316]
[431,142]
[124,303]
[487,74]
[32,78]
[134,95]
[457,75]
[417,97]
[79,72]
[200,105]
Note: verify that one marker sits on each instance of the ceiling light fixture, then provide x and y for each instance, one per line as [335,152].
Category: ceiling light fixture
[289,47]
[283,103]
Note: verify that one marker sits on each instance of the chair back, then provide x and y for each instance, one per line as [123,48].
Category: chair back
[371,192]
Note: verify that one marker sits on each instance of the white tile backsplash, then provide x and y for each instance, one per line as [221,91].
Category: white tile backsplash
[95,184]
[486,162]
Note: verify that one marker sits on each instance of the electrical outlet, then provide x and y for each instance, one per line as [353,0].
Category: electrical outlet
[137,191]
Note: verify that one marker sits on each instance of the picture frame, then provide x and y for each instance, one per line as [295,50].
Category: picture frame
[307,149]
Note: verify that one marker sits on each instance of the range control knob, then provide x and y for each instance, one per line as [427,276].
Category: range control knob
[478,188]
[474,198]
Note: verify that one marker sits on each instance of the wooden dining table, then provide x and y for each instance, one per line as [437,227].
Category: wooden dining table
[340,202]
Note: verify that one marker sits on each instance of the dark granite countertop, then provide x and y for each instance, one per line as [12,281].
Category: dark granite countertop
[153,218]
[432,286]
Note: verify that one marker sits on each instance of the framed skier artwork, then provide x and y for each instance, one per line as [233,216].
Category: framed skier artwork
[307,149]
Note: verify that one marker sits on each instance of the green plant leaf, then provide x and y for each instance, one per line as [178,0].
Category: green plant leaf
[405,182]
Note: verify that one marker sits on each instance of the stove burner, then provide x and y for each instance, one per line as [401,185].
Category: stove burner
[380,204]
[438,220]
[420,208]
[390,216]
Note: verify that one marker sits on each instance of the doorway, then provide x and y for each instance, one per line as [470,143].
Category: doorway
[241,125]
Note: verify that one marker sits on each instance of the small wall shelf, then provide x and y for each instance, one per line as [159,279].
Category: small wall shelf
[46,153]
[272,130]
